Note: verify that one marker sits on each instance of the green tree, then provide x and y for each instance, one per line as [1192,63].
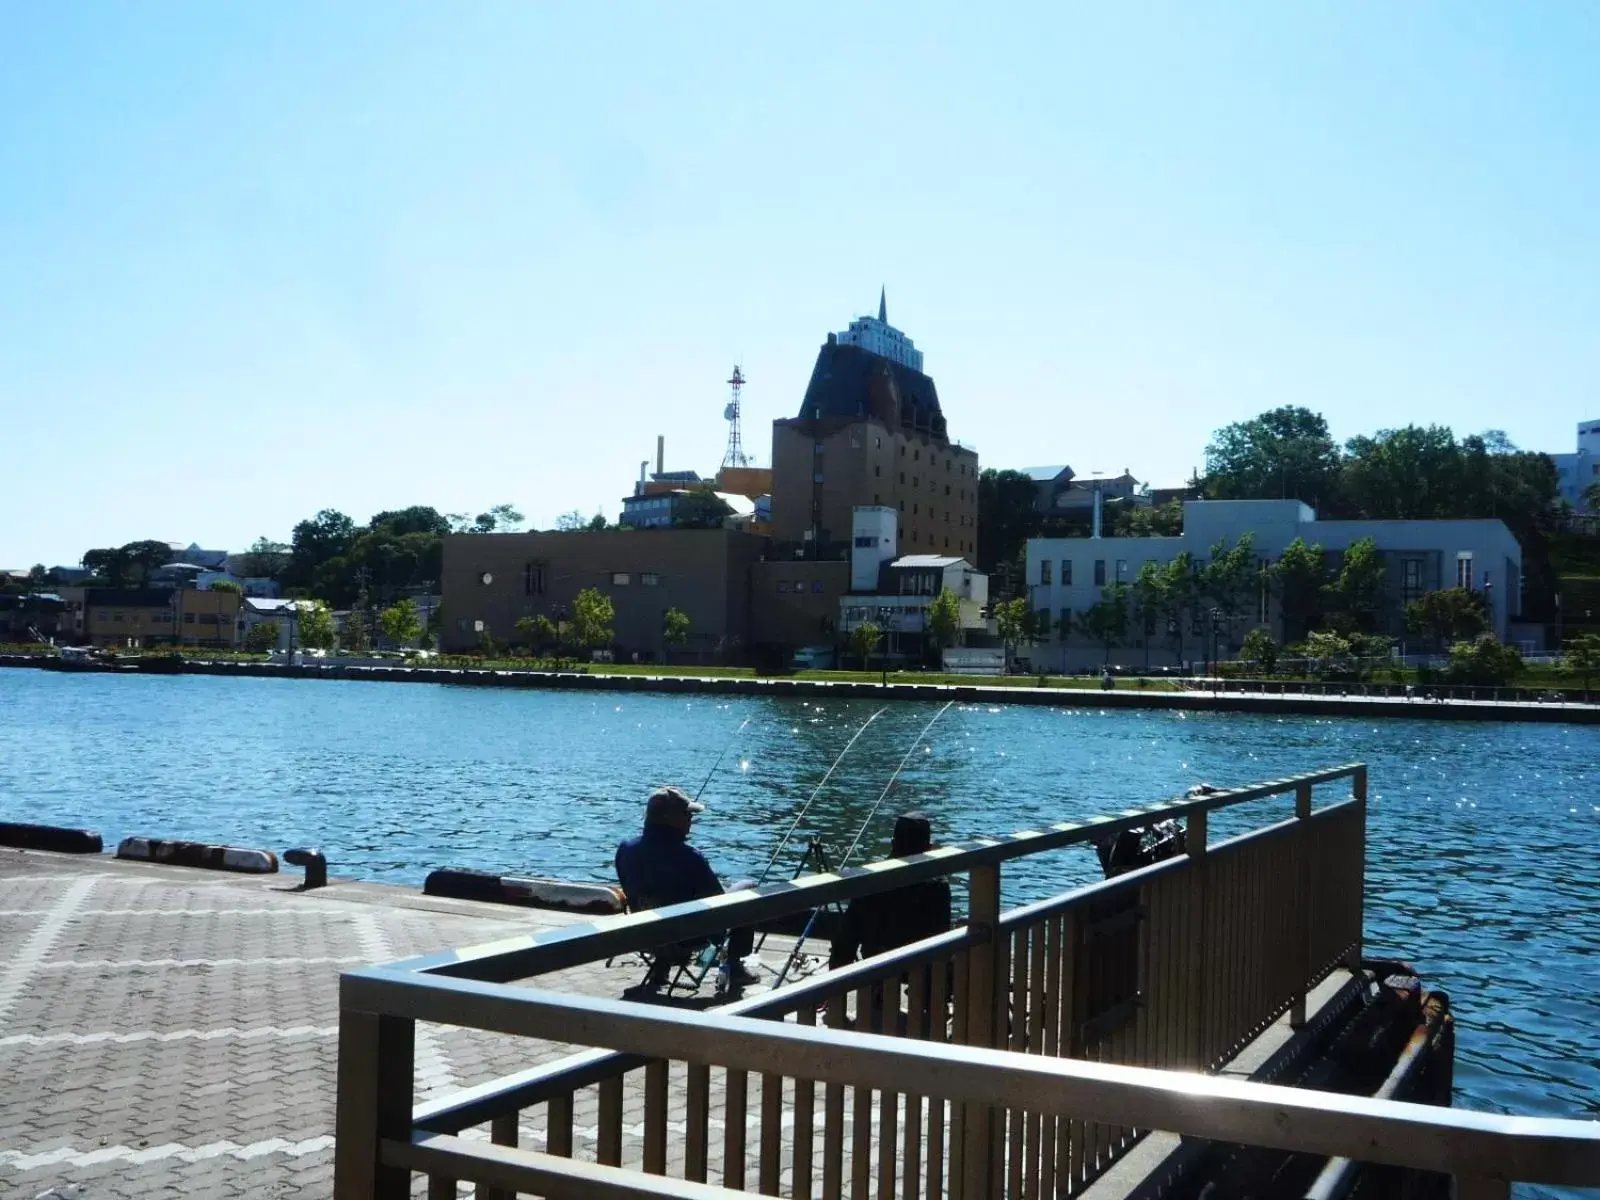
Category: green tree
[1591,497]
[1006,516]
[944,619]
[701,508]
[1582,658]
[262,637]
[1448,615]
[1259,650]
[502,518]
[597,523]
[400,623]
[1326,652]
[1180,593]
[1106,620]
[571,522]
[1150,520]
[1299,576]
[592,615]
[316,625]
[1148,603]
[38,576]
[357,638]
[1484,662]
[226,585]
[863,641]
[419,518]
[313,543]
[266,559]
[1015,622]
[674,627]
[1231,582]
[539,630]
[1355,598]
[1286,453]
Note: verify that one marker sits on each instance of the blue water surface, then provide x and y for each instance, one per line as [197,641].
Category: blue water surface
[1483,845]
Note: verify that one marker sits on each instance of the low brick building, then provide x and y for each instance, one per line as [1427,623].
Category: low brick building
[493,580]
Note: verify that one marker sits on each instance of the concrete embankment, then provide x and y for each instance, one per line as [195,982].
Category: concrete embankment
[1357,700]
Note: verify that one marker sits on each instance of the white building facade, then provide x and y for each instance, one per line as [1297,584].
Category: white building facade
[1066,576]
[1576,472]
[894,591]
[876,336]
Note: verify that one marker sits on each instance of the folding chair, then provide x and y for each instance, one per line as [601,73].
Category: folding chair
[679,966]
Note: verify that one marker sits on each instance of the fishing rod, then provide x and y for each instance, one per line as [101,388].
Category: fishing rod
[815,792]
[720,757]
[805,933]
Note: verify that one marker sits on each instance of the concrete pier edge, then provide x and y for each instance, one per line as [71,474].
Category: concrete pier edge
[1122,697]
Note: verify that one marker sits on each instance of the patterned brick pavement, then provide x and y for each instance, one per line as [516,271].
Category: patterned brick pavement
[169,1032]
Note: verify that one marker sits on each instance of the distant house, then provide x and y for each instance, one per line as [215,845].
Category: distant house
[262,610]
[160,616]
[1060,490]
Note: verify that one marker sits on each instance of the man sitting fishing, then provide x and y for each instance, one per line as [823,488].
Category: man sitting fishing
[659,868]
[888,920]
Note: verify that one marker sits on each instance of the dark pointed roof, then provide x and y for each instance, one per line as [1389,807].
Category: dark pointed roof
[853,384]
[883,305]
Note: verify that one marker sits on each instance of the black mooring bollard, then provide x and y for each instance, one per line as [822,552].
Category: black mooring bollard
[313,861]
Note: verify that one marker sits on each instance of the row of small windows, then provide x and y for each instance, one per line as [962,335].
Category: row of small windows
[1099,571]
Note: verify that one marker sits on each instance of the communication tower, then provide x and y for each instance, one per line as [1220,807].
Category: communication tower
[735,457]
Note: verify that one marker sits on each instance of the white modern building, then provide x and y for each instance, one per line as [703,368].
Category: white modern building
[261,610]
[1575,472]
[876,336]
[1066,576]
[894,591]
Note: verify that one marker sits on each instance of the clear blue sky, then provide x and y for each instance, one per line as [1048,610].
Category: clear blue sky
[257,260]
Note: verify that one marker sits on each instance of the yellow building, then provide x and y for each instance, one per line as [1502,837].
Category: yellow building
[161,616]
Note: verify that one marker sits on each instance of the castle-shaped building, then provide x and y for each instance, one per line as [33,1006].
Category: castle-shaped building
[870,432]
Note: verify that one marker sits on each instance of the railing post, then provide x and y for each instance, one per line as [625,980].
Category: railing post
[984,1005]
[1301,887]
[1196,949]
[376,1074]
[1358,791]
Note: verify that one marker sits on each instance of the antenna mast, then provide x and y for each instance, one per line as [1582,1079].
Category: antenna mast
[735,457]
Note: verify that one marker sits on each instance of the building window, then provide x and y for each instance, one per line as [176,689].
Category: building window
[866,541]
[902,476]
[877,472]
[902,451]
[875,499]
[877,443]
[650,579]
[209,619]
[1064,625]
[916,456]
[783,585]
[1099,572]
[1044,571]
[533,579]
[1122,570]
[1464,569]
[947,464]
[913,509]
[913,535]
[947,543]
[620,579]
[117,618]
[1412,582]
[817,449]
[947,489]
[817,478]
[816,587]
[902,506]
[915,482]
[1066,572]
[188,618]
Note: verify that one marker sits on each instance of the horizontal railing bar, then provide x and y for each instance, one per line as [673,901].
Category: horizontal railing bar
[547,1175]
[573,945]
[1476,1144]
[511,1093]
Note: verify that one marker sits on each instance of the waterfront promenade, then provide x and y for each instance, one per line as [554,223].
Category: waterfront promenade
[173,1033]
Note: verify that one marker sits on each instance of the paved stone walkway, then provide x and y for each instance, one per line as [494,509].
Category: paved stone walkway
[168,1032]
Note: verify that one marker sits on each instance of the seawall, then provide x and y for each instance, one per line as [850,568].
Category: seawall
[1126,696]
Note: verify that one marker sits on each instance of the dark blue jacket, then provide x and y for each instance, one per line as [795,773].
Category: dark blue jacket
[659,868]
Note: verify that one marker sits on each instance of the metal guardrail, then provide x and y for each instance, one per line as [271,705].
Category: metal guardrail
[1173,965]
[537,954]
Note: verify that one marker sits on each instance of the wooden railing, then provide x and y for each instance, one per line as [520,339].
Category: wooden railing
[1174,966]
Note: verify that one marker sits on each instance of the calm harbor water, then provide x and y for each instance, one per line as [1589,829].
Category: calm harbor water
[1483,855]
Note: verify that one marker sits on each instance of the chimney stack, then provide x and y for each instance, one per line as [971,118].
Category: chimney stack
[661,453]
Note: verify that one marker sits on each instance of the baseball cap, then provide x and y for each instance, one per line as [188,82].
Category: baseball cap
[670,802]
